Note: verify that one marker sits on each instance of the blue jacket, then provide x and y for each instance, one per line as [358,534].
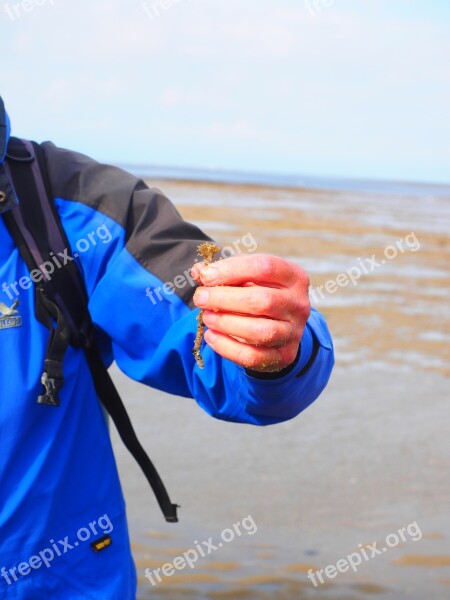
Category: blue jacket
[59,487]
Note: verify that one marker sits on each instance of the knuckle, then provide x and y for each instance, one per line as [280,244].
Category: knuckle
[266,265]
[302,309]
[261,303]
[269,332]
[299,334]
[302,277]
[305,309]
[295,333]
[266,361]
[305,280]
[246,357]
[285,355]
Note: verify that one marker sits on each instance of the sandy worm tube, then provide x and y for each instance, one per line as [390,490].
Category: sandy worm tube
[207,250]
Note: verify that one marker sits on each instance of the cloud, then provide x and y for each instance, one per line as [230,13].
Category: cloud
[358,89]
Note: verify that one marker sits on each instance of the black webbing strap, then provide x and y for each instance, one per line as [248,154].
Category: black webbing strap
[61,300]
[53,376]
[43,236]
[113,403]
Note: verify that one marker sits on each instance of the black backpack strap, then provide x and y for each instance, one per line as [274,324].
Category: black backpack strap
[111,400]
[39,235]
[61,303]
[53,376]
[61,300]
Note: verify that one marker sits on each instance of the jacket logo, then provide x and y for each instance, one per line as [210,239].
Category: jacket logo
[9,316]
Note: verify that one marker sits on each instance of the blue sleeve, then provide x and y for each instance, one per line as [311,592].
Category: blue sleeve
[150,331]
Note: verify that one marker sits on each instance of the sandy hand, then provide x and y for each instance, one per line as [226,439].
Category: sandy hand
[255,307]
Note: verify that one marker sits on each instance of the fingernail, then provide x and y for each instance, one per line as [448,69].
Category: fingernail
[201,297]
[210,336]
[196,269]
[209,317]
[209,274]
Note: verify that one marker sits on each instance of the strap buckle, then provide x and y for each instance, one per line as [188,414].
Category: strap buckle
[52,385]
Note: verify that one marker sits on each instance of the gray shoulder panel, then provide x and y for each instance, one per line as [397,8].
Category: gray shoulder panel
[156,235]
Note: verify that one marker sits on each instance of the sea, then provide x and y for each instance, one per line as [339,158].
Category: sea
[361,477]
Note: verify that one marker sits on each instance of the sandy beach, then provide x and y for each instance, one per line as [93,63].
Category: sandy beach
[370,457]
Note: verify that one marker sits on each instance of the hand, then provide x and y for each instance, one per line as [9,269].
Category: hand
[255,307]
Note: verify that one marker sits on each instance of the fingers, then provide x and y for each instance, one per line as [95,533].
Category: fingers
[252,300]
[259,268]
[196,269]
[263,359]
[255,331]
[255,309]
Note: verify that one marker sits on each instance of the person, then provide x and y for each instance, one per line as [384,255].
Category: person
[267,356]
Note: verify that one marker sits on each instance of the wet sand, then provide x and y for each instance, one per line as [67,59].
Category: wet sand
[369,457]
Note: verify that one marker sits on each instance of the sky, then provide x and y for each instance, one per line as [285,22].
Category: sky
[340,88]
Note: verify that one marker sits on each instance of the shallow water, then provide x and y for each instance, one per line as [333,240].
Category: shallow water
[370,457]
